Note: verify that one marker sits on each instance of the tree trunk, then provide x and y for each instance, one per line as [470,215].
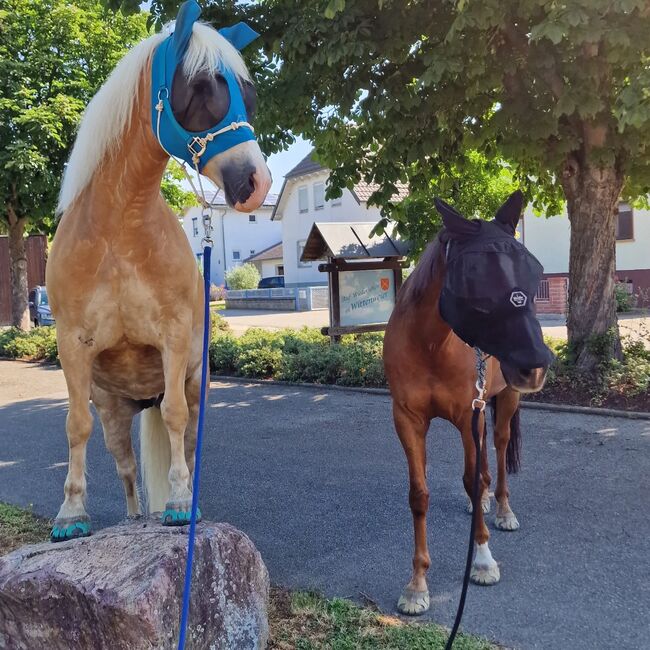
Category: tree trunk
[592,195]
[18,272]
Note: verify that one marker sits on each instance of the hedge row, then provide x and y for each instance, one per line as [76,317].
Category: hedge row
[306,356]
[300,356]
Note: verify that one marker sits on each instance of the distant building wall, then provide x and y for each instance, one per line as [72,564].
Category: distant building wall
[296,226]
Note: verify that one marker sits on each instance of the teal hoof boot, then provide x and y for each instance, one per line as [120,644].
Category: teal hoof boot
[65,529]
[174,516]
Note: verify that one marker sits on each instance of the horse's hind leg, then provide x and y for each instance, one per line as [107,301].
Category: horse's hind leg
[116,415]
[485,570]
[76,358]
[507,403]
[412,430]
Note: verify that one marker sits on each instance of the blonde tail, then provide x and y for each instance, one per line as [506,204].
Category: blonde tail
[155,459]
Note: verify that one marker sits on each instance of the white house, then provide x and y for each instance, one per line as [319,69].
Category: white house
[269,261]
[301,203]
[549,240]
[236,235]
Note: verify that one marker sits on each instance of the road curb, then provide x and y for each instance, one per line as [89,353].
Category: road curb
[539,406]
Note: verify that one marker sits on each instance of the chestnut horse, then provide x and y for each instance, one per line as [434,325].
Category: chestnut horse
[432,373]
[123,282]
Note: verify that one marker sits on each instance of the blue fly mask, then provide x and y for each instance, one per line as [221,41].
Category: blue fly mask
[196,148]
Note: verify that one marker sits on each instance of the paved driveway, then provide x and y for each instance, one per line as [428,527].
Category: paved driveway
[317,479]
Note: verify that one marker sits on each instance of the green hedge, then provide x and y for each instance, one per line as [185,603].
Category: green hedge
[300,356]
[39,344]
[306,356]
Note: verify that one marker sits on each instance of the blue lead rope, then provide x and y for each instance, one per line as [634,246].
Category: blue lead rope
[187,589]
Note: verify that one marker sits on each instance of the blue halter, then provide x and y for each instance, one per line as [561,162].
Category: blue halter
[196,148]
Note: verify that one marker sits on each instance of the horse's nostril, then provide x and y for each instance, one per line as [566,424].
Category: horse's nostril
[251,182]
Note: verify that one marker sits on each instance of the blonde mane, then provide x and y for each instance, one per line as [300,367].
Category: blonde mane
[109,112]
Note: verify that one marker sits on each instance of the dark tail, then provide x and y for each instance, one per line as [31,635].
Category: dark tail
[513,452]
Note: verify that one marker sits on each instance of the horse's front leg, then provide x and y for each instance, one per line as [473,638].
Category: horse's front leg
[487,479]
[175,415]
[507,403]
[76,358]
[485,570]
[412,430]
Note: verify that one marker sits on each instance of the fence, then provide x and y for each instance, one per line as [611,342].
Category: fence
[36,247]
[285,299]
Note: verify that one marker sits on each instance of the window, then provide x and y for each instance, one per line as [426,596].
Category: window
[303,200]
[337,201]
[252,251]
[195,226]
[301,248]
[279,269]
[625,223]
[319,196]
[252,218]
[236,255]
[543,291]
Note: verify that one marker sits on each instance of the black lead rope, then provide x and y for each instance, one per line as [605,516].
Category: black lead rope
[478,406]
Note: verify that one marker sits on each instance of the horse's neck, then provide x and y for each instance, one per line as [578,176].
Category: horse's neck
[130,177]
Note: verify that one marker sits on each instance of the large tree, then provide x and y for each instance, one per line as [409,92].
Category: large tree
[54,55]
[396,90]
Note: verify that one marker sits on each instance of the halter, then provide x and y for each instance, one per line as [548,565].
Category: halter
[196,148]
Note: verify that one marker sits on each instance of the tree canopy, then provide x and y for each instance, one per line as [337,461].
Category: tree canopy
[387,90]
[54,55]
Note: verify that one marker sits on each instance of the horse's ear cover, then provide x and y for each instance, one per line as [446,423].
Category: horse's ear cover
[188,14]
[239,35]
[510,212]
[454,221]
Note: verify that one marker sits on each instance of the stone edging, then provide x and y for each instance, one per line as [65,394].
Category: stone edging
[540,406]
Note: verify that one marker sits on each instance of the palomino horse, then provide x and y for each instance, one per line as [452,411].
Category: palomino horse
[432,373]
[124,285]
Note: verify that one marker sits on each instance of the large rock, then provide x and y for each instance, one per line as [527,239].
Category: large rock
[121,589]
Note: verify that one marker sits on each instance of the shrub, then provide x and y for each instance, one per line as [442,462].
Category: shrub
[219,325]
[38,344]
[223,354]
[217,292]
[624,300]
[245,276]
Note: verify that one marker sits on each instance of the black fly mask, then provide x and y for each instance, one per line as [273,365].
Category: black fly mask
[490,283]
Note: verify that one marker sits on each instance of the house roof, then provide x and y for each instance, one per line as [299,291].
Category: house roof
[362,191]
[271,253]
[307,165]
[217,198]
[350,241]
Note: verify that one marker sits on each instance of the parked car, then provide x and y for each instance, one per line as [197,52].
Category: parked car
[273,282]
[39,307]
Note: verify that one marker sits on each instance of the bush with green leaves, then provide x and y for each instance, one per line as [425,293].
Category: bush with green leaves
[38,344]
[624,299]
[245,276]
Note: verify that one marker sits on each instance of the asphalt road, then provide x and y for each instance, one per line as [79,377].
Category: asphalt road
[318,480]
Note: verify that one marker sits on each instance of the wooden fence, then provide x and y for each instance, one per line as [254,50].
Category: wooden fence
[36,258]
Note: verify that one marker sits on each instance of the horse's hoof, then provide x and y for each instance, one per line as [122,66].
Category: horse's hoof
[65,529]
[485,575]
[413,603]
[506,522]
[485,505]
[175,516]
